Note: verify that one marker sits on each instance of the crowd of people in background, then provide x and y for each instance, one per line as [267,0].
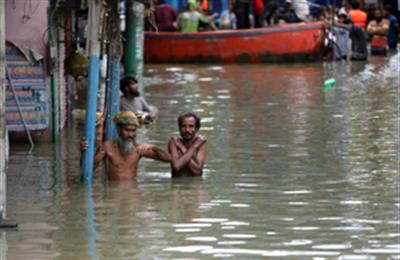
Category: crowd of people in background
[351,21]
[241,14]
[355,28]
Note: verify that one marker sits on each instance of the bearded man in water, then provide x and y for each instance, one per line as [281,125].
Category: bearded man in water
[189,152]
[121,156]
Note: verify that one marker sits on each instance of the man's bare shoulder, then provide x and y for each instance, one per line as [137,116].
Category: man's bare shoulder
[202,138]
[176,141]
[108,145]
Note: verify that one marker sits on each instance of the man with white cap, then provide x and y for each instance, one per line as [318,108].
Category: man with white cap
[302,9]
[121,156]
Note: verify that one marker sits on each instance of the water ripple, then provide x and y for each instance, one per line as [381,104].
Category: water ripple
[211,220]
[192,225]
[203,239]
[297,192]
[332,246]
[239,235]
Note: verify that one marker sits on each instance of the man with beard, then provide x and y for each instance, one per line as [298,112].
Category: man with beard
[133,101]
[188,153]
[121,156]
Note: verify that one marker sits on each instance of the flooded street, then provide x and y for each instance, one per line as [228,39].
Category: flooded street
[294,171]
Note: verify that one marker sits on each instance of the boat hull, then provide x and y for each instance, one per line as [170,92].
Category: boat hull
[297,42]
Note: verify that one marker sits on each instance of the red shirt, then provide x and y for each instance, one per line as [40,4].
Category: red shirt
[258,7]
[165,16]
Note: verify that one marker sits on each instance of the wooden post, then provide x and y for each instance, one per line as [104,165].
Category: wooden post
[3,131]
[92,88]
[134,35]
[114,72]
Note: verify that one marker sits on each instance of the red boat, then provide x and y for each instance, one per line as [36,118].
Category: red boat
[295,42]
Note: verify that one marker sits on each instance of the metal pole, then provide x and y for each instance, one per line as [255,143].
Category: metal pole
[134,43]
[3,144]
[3,128]
[92,89]
[53,128]
[130,41]
[115,71]
[113,99]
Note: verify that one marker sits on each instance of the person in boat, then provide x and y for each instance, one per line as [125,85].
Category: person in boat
[227,19]
[302,10]
[244,14]
[286,14]
[358,17]
[258,9]
[393,31]
[188,153]
[377,30]
[165,17]
[270,7]
[131,100]
[188,20]
[121,156]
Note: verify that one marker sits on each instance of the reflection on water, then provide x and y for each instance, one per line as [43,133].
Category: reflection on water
[294,171]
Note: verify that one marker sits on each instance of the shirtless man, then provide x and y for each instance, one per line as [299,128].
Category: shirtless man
[188,153]
[121,156]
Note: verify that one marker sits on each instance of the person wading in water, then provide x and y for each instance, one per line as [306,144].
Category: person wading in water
[121,156]
[188,153]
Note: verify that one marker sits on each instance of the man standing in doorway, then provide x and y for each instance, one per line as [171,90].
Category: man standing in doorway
[188,153]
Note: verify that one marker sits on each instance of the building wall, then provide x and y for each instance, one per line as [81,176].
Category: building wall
[26,23]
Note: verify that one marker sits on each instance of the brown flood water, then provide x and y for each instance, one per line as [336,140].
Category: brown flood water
[294,171]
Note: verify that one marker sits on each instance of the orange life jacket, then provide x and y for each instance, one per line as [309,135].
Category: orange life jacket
[358,17]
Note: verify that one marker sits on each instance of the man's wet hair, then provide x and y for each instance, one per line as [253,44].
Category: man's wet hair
[126,81]
[197,119]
